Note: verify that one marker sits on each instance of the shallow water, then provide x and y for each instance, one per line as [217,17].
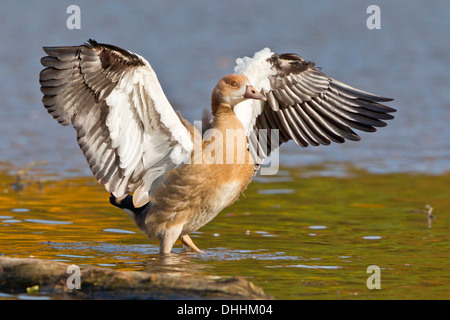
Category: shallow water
[314,242]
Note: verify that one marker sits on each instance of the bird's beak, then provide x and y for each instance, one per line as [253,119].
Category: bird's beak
[252,93]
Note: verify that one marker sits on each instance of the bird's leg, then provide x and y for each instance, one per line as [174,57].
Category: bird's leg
[187,241]
[168,237]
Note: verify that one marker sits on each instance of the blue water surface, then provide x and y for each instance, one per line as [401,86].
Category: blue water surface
[192,44]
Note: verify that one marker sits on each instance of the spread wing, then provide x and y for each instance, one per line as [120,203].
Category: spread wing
[126,128]
[304,104]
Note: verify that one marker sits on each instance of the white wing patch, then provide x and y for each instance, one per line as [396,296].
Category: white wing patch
[143,125]
[258,70]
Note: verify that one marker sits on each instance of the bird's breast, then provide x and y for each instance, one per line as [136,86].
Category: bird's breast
[218,199]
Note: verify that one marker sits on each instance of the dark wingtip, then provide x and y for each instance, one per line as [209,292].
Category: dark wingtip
[49,50]
[392,110]
[381,107]
[384,99]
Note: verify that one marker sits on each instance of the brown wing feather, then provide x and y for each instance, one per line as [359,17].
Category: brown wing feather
[309,107]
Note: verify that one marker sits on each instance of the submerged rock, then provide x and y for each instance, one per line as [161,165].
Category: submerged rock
[58,280]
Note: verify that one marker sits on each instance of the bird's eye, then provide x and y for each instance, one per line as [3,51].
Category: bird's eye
[234,84]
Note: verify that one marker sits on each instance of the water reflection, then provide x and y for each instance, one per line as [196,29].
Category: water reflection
[11,221]
[33,297]
[372,237]
[282,242]
[177,265]
[47,221]
[119,231]
[276,191]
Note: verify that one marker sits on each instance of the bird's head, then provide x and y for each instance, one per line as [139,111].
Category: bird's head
[232,89]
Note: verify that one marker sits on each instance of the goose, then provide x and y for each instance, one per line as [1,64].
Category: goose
[170,176]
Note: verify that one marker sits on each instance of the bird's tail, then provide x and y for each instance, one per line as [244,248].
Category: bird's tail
[127,203]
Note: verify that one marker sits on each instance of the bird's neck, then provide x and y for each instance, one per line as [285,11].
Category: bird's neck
[224,117]
[227,137]
[221,109]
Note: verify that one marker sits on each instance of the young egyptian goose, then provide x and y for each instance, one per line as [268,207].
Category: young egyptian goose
[182,177]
